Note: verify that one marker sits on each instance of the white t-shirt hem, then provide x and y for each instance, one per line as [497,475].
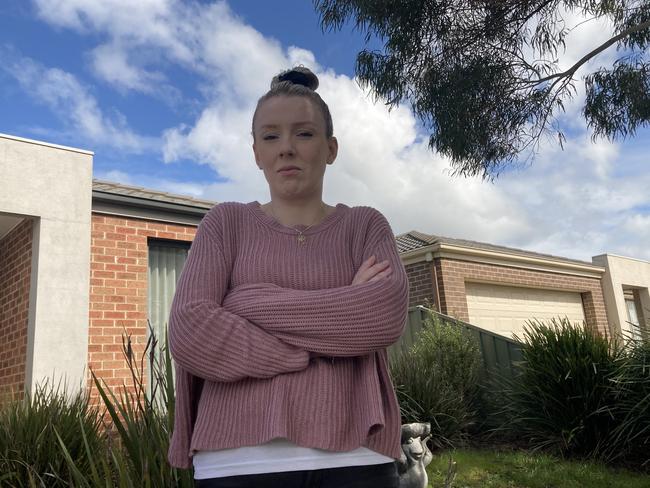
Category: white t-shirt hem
[276,456]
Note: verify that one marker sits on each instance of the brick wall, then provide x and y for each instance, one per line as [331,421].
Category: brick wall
[443,306]
[453,273]
[15,271]
[421,285]
[118,289]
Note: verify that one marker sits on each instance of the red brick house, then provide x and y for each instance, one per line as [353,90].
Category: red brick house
[139,242]
[500,288]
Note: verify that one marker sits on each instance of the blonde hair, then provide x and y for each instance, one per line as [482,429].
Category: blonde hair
[297,82]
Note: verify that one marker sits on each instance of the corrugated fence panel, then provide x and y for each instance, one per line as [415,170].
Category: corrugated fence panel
[500,354]
[414,322]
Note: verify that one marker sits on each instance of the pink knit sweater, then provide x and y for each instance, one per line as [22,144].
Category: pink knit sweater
[271,339]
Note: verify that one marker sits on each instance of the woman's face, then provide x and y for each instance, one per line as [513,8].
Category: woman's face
[291,146]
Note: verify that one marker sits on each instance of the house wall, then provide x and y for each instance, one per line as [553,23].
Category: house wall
[421,284]
[118,290]
[630,273]
[53,186]
[452,274]
[15,270]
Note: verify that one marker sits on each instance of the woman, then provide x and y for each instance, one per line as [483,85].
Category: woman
[281,319]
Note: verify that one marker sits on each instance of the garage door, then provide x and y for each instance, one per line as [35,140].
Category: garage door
[505,309]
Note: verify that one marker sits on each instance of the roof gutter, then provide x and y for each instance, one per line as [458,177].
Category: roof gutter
[130,206]
[441,250]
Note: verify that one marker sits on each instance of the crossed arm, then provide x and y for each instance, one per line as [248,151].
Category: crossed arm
[210,342]
[263,330]
[352,320]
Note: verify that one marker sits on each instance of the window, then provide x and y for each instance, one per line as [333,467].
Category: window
[166,260]
[633,318]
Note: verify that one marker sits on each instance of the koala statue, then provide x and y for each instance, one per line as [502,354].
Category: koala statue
[415,456]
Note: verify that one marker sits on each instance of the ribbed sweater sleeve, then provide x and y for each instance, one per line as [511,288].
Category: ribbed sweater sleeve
[210,342]
[345,321]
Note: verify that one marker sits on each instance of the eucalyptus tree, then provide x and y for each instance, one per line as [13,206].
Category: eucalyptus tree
[486,77]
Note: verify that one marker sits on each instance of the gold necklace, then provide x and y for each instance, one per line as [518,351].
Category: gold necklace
[301,233]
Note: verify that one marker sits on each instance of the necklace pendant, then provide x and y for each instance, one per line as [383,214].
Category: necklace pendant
[301,239]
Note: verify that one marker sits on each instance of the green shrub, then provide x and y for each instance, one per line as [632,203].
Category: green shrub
[562,397]
[30,429]
[629,440]
[437,380]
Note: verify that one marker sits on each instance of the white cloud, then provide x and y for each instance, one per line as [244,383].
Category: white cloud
[72,102]
[575,203]
[640,225]
[139,21]
[110,62]
[207,39]
[221,138]
[154,29]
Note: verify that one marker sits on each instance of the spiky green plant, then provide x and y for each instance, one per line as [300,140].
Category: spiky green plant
[561,399]
[53,440]
[143,422]
[629,440]
[437,380]
[32,430]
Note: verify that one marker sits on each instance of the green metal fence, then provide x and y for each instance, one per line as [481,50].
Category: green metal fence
[500,354]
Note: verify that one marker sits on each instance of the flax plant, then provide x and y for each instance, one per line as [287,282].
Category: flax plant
[33,429]
[143,421]
[629,440]
[50,439]
[562,398]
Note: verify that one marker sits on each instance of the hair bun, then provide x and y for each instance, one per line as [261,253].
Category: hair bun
[297,76]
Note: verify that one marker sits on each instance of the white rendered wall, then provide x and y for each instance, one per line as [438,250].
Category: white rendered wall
[620,272]
[54,185]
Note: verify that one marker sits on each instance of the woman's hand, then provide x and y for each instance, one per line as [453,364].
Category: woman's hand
[370,270]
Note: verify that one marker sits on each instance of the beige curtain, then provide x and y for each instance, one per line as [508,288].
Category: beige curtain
[166,261]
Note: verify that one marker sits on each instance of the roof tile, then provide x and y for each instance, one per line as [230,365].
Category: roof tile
[144,193]
[415,240]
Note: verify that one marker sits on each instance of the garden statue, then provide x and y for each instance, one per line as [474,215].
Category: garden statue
[415,456]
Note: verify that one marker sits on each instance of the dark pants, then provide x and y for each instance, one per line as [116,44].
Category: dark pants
[371,476]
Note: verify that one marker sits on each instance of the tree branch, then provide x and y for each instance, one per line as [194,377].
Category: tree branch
[595,52]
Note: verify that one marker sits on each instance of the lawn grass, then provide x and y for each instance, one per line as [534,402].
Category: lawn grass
[516,469]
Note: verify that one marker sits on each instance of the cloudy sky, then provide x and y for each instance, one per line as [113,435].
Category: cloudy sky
[163,91]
